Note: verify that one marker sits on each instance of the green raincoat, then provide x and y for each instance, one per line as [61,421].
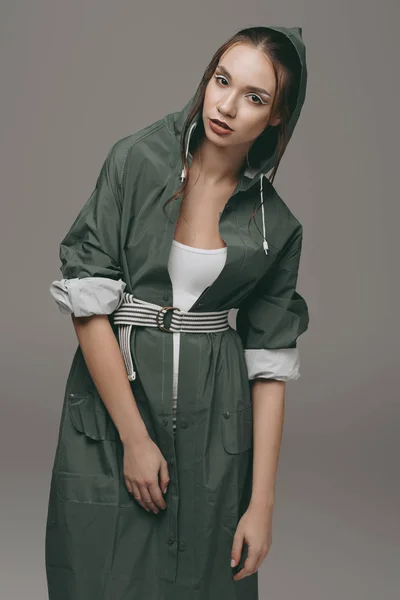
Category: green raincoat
[100,543]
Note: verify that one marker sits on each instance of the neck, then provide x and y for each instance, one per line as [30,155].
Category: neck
[218,165]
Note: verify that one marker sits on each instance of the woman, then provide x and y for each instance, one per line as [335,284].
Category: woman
[168,444]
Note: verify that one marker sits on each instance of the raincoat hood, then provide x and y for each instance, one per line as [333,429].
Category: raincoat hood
[268,160]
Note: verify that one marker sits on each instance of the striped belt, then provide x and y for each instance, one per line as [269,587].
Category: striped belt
[133,311]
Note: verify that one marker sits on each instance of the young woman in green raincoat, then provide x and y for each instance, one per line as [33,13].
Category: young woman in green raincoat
[138,508]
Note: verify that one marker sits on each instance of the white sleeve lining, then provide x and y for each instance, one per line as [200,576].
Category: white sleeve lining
[88,295]
[282,363]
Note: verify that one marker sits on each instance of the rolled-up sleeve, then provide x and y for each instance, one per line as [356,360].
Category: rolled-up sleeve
[93,281]
[273,317]
[88,296]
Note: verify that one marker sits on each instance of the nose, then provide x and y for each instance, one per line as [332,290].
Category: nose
[227,106]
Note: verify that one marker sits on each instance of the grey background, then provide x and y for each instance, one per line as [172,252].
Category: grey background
[76,76]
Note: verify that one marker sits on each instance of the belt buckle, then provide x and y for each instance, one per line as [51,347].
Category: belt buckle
[160,319]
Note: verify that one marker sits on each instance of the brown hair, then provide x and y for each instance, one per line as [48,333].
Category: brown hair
[285,61]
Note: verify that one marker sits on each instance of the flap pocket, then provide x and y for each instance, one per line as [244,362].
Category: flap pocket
[90,416]
[237,429]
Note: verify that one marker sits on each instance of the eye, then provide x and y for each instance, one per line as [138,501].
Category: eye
[218,77]
[258,97]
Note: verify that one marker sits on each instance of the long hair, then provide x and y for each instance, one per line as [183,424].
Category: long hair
[286,65]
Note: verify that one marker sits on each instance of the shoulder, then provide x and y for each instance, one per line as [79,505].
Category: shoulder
[152,143]
[287,224]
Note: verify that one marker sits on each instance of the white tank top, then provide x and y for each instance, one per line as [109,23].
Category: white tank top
[191,270]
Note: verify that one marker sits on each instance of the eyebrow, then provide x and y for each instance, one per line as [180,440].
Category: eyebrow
[248,87]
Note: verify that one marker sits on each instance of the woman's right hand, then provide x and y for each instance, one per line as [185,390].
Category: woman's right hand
[143,462]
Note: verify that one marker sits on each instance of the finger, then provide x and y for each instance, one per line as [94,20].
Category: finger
[251,561]
[147,498]
[249,565]
[244,572]
[237,546]
[164,476]
[136,494]
[128,485]
[240,574]
[260,559]
[156,495]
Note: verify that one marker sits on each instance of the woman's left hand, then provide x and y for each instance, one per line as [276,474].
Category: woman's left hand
[254,529]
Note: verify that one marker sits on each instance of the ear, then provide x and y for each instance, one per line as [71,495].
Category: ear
[274,121]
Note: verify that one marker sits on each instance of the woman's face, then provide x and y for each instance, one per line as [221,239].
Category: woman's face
[234,95]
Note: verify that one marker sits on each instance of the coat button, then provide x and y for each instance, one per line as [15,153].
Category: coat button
[171,540]
[227,415]
[164,421]
[182,546]
[166,296]
[184,423]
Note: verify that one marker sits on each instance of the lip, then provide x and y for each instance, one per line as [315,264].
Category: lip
[221,121]
[218,128]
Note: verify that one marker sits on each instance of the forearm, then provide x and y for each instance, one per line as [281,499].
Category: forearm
[268,397]
[106,366]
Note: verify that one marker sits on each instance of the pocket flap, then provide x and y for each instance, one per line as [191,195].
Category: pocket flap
[90,416]
[237,429]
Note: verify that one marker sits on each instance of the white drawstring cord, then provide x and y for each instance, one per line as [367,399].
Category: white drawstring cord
[265,243]
[183,174]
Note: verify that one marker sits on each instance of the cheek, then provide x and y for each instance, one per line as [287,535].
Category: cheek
[254,124]
[212,95]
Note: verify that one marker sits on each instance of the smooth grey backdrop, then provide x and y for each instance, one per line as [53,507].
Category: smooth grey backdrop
[78,75]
